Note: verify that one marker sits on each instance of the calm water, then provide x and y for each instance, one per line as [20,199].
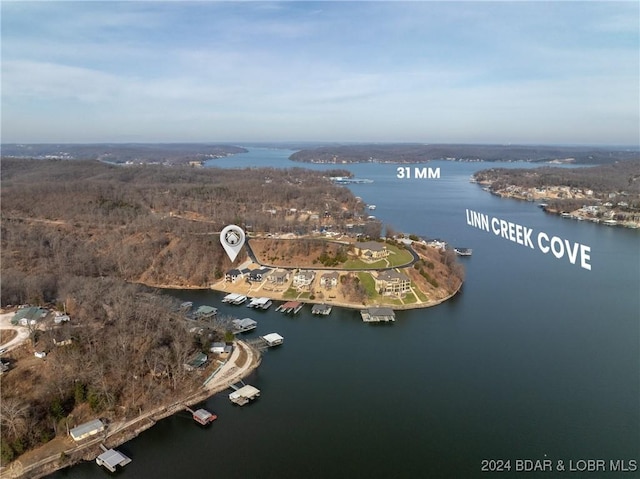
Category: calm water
[535,359]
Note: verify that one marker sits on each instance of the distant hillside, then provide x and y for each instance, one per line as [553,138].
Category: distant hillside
[418,153]
[167,153]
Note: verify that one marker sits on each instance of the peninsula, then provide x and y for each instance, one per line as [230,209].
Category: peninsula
[605,194]
[86,244]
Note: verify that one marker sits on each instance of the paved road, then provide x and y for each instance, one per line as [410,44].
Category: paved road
[253,257]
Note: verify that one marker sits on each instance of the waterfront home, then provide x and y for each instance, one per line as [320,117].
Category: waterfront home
[303,278]
[257,275]
[196,361]
[232,275]
[278,277]
[392,283]
[329,280]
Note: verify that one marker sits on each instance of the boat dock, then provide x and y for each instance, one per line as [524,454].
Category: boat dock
[202,416]
[234,298]
[243,325]
[272,339]
[260,303]
[292,307]
[463,251]
[111,458]
[321,309]
[376,315]
[242,395]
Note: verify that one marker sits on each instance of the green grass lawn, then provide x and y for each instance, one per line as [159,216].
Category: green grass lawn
[410,298]
[398,256]
[420,294]
[369,285]
[291,293]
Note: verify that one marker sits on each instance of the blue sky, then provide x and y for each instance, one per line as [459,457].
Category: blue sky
[433,72]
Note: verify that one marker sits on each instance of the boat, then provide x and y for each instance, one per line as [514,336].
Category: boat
[463,251]
[372,207]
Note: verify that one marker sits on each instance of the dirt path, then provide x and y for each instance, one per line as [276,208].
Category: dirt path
[22,333]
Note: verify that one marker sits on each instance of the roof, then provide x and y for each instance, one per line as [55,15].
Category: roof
[371,245]
[381,312]
[272,337]
[306,274]
[243,323]
[87,428]
[198,360]
[113,458]
[206,311]
[390,275]
[245,391]
[202,415]
[332,275]
[33,312]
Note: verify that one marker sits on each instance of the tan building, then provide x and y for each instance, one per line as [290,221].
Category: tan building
[371,250]
[392,283]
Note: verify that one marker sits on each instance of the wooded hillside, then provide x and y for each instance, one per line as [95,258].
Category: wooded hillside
[150,224]
[418,153]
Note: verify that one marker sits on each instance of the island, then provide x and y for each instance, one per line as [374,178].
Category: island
[89,246]
[605,194]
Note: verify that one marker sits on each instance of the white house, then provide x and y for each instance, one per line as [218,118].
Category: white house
[303,278]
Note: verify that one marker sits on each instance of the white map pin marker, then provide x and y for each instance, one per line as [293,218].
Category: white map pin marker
[232,239]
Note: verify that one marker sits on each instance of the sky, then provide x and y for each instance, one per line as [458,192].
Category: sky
[231,72]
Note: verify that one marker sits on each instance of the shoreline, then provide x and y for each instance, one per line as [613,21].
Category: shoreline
[120,432]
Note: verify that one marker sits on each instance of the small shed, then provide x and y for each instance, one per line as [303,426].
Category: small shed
[87,429]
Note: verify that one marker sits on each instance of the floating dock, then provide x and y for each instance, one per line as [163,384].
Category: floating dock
[272,339]
[202,416]
[243,325]
[463,251]
[260,303]
[244,394]
[376,315]
[292,307]
[111,458]
[234,298]
[321,309]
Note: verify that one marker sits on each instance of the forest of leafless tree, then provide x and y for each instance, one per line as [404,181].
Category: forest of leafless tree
[79,234]
[150,224]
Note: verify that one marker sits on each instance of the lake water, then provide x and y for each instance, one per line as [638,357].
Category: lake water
[535,359]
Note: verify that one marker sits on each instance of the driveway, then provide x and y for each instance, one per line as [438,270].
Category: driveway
[23,333]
